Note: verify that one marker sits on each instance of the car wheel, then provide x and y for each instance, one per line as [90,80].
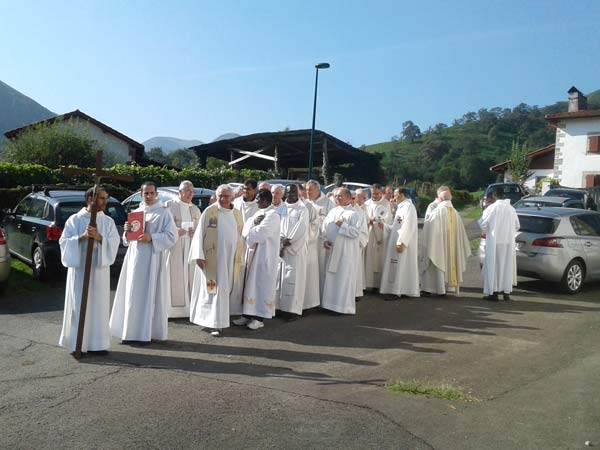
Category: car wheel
[573,277]
[40,271]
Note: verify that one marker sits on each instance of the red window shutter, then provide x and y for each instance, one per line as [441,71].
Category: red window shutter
[594,144]
[589,181]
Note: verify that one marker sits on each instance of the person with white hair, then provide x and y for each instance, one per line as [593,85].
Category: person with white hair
[342,228]
[187,216]
[264,185]
[359,206]
[436,201]
[380,215]
[445,247]
[217,250]
[323,205]
[277,192]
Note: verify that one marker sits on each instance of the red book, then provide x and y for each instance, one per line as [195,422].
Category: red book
[136,222]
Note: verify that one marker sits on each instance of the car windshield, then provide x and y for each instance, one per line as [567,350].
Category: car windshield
[114,210]
[201,201]
[562,193]
[536,224]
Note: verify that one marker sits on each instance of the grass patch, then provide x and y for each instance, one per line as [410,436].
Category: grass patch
[444,391]
[472,212]
[21,279]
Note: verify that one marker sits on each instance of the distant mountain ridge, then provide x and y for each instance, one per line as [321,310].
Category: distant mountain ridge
[17,110]
[170,144]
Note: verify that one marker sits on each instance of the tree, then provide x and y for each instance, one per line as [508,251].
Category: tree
[54,144]
[156,154]
[519,163]
[410,131]
[182,158]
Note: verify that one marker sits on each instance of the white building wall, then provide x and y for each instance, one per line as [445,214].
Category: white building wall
[117,148]
[572,162]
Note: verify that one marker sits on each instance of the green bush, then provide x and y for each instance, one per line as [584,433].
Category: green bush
[10,197]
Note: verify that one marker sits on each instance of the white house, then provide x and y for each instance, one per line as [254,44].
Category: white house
[574,159]
[577,154]
[121,147]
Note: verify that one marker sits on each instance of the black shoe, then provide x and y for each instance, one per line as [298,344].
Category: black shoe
[491,298]
[506,297]
[425,294]
[392,298]
[97,352]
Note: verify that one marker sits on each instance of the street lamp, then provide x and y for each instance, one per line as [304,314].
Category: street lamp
[312,130]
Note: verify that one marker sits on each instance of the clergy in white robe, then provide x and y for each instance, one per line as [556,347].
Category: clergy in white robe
[181,270]
[261,233]
[312,292]
[342,228]
[445,248]
[246,203]
[73,245]
[361,208]
[278,193]
[500,224]
[216,251]
[141,304]
[380,215]
[401,265]
[323,205]
[294,254]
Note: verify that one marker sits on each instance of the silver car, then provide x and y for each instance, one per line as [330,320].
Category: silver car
[557,244]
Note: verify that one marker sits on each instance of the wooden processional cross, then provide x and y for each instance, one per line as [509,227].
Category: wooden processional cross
[96,175]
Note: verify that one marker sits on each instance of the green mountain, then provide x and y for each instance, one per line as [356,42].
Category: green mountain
[460,155]
[17,109]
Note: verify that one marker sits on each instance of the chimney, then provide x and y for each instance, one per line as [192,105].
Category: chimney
[577,101]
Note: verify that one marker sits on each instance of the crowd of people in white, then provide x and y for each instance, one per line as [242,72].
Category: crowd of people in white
[271,250]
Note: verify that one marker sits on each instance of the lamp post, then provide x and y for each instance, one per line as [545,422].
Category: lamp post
[312,130]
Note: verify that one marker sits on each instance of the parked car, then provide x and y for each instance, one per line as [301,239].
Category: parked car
[560,245]
[201,197]
[352,185]
[512,191]
[4,260]
[581,195]
[35,225]
[557,202]
[282,182]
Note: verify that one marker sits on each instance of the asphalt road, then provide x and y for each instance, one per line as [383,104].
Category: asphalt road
[531,367]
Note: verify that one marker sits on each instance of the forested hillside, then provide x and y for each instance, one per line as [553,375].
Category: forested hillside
[460,155]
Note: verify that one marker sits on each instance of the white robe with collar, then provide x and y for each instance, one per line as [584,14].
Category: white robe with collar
[180,269]
[339,293]
[248,209]
[312,293]
[376,246]
[96,333]
[500,223]
[294,226]
[400,274]
[213,310]
[363,241]
[261,262]
[140,309]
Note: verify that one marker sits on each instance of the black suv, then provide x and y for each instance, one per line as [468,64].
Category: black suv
[34,226]
[512,191]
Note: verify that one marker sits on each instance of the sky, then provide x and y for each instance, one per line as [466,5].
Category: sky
[199,69]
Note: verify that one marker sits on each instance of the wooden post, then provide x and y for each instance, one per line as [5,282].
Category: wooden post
[325,162]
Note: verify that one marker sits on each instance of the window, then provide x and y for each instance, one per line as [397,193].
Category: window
[23,207]
[535,224]
[585,225]
[594,144]
[592,180]
[37,208]
[133,203]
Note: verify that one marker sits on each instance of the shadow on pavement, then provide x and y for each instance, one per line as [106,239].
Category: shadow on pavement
[203,366]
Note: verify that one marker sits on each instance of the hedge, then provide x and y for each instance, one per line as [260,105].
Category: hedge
[15,175]
[16,179]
